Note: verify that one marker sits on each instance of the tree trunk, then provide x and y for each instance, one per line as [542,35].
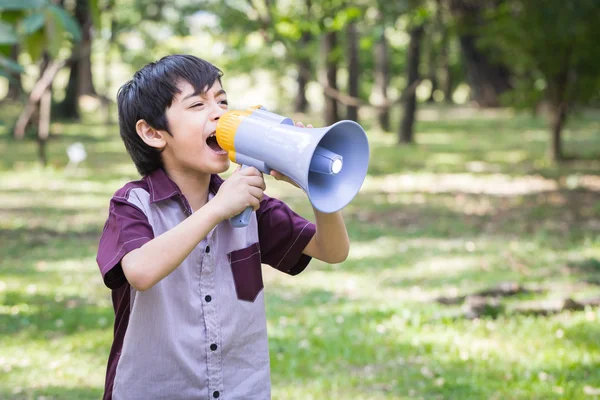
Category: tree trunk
[432,53]
[432,70]
[44,124]
[487,80]
[382,78]
[106,101]
[353,69]
[405,135]
[445,66]
[558,120]
[47,73]
[80,76]
[84,17]
[301,103]
[330,57]
[15,88]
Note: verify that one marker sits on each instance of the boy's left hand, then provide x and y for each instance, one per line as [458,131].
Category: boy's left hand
[278,175]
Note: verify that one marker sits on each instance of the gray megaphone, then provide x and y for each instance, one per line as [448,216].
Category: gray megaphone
[330,164]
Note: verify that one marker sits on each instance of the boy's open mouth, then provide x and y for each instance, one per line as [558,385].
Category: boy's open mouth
[211,141]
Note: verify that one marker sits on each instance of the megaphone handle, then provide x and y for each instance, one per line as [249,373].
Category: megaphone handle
[242,219]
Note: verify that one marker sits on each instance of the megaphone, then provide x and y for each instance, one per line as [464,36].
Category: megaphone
[330,164]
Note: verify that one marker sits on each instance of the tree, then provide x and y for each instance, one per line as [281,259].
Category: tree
[43,29]
[15,88]
[80,75]
[405,133]
[554,55]
[353,68]
[487,78]
[330,58]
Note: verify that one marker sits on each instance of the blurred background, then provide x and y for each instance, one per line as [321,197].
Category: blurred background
[474,271]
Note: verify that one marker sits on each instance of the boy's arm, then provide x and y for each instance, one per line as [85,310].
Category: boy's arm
[147,265]
[330,242]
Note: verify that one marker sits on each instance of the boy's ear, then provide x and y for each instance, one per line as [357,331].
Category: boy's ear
[150,136]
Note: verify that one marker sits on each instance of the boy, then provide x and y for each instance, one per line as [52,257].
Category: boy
[187,286]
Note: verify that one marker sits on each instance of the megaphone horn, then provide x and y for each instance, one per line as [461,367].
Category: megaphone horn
[330,163]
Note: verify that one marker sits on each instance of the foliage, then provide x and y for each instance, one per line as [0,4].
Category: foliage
[36,25]
[551,48]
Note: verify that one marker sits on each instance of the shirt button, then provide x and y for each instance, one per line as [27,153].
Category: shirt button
[207,299]
[216,394]
[207,249]
[213,347]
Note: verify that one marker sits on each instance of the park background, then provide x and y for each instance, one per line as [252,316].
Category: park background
[474,270]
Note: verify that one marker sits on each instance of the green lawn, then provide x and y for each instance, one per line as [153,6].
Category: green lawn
[473,204]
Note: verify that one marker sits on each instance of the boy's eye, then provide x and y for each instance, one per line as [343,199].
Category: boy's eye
[197,105]
[224,102]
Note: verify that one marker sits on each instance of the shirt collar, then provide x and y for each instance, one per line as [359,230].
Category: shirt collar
[163,188]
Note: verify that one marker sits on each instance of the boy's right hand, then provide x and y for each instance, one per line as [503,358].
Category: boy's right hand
[244,188]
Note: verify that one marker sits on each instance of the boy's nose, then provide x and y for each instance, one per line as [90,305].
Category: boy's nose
[217,112]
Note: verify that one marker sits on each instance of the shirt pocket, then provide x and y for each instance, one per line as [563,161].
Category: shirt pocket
[247,272]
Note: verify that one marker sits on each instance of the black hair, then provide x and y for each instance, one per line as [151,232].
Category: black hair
[148,95]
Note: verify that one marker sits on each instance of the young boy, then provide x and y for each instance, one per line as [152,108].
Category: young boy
[187,286]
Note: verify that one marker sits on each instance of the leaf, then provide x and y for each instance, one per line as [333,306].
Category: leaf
[34,44]
[353,13]
[54,34]
[33,23]
[21,4]
[66,21]
[9,64]
[6,50]
[95,12]
[12,16]
[7,34]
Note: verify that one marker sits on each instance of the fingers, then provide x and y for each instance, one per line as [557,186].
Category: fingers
[256,181]
[301,125]
[250,171]
[257,193]
[276,175]
[254,202]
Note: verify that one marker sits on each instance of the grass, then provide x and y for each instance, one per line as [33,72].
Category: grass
[474,203]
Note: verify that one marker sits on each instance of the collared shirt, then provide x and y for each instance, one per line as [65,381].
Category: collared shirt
[199,333]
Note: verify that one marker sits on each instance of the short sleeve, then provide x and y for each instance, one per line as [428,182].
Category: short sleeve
[126,229]
[283,235]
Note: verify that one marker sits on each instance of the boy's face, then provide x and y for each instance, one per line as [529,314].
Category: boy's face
[192,122]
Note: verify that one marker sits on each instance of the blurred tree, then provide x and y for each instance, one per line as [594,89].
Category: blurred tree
[405,133]
[353,68]
[304,66]
[553,53]
[81,81]
[432,44]
[382,69]
[444,55]
[43,29]
[330,56]
[15,87]
[487,78]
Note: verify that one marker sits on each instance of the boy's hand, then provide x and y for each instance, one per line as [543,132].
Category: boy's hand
[244,188]
[278,175]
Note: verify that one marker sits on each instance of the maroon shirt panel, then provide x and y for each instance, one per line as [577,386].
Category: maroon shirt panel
[283,235]
[127,228]
[121,299]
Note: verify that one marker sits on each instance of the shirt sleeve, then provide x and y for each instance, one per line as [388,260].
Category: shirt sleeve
[126,229]
[283,235]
